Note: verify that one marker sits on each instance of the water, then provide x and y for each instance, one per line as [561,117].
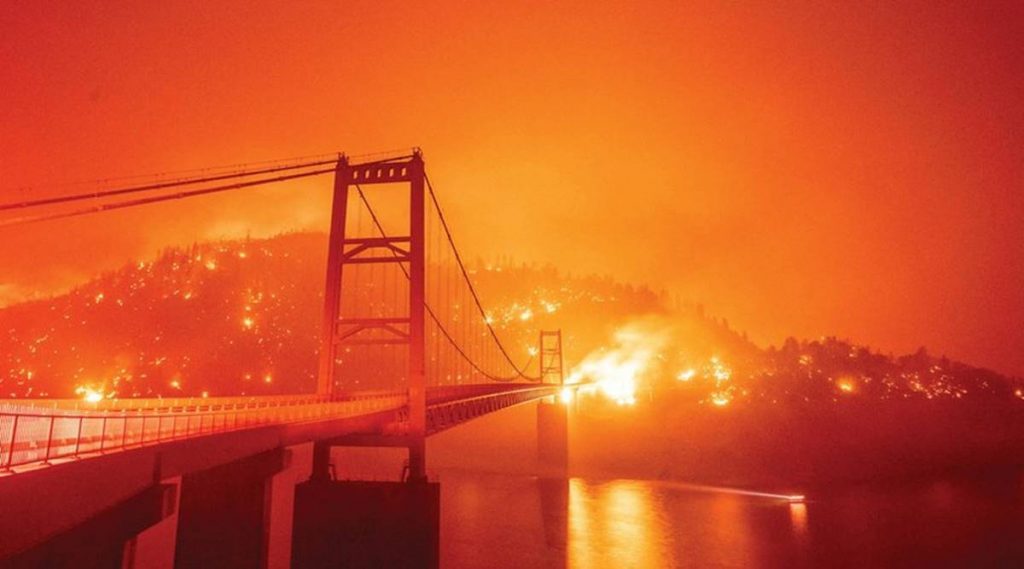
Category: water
[504,521]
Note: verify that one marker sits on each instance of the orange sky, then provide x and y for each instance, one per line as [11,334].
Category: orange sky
[850,170]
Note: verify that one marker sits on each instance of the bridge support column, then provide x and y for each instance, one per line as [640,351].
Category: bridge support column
[153,548]
[553,439]
[367,524]
[105,540]
[224,513]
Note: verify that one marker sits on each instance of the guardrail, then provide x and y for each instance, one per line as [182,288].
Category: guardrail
[448,413]
[41,431]
[129,403]
[40,434]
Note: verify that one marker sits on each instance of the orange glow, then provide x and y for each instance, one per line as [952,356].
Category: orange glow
[614,523]
[805,191]
[566,395]
[617,380]
[686,375]
[719,371]
[617,371]
[798,517]
[609,377]
[676,74]
[720,399]
[89,394]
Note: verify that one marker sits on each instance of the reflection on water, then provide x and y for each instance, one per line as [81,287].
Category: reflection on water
[617,523]
[500,521]
[798,515]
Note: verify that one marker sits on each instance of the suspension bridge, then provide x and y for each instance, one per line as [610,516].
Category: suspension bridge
[407,349]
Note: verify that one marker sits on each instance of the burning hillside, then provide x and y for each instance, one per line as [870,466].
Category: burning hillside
[242,317]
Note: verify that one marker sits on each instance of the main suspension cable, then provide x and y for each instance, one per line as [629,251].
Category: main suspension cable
[472,290]
[160,198]
[191,181]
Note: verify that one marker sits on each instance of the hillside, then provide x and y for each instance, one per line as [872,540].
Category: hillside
[242,317]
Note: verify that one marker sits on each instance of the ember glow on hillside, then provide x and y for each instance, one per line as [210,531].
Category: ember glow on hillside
[232,318]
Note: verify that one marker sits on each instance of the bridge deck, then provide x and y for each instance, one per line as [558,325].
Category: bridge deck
[35,433]
[102,456]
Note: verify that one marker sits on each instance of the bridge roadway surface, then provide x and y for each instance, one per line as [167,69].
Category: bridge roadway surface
[64,461]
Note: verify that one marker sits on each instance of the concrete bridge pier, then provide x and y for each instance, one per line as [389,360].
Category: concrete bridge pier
[153,548]
[364,524]
[104,541]
[224,513]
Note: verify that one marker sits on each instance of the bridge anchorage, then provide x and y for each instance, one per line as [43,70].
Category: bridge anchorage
[407,351]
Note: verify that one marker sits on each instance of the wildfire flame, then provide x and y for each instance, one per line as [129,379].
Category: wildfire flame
[89,394]
[724,392]
[566,395]
[721,398]
[616,372]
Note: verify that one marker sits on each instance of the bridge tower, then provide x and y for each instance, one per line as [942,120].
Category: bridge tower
[550,352]
[553,416]
[407,250]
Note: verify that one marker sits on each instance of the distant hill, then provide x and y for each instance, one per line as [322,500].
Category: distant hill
[219,317]
[243,317]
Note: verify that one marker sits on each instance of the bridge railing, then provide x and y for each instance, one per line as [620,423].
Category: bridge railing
[41,435]
[42,431]
[447,413]
[445,393]
[149,403]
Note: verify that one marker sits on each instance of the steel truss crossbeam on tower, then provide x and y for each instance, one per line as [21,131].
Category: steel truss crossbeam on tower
[550,353]
[405,250]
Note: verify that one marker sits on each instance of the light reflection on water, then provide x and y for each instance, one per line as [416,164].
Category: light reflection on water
[507,521]
[498,521]
[617,523]
[798,515]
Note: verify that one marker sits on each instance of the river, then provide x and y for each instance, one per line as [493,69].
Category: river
[516,521]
